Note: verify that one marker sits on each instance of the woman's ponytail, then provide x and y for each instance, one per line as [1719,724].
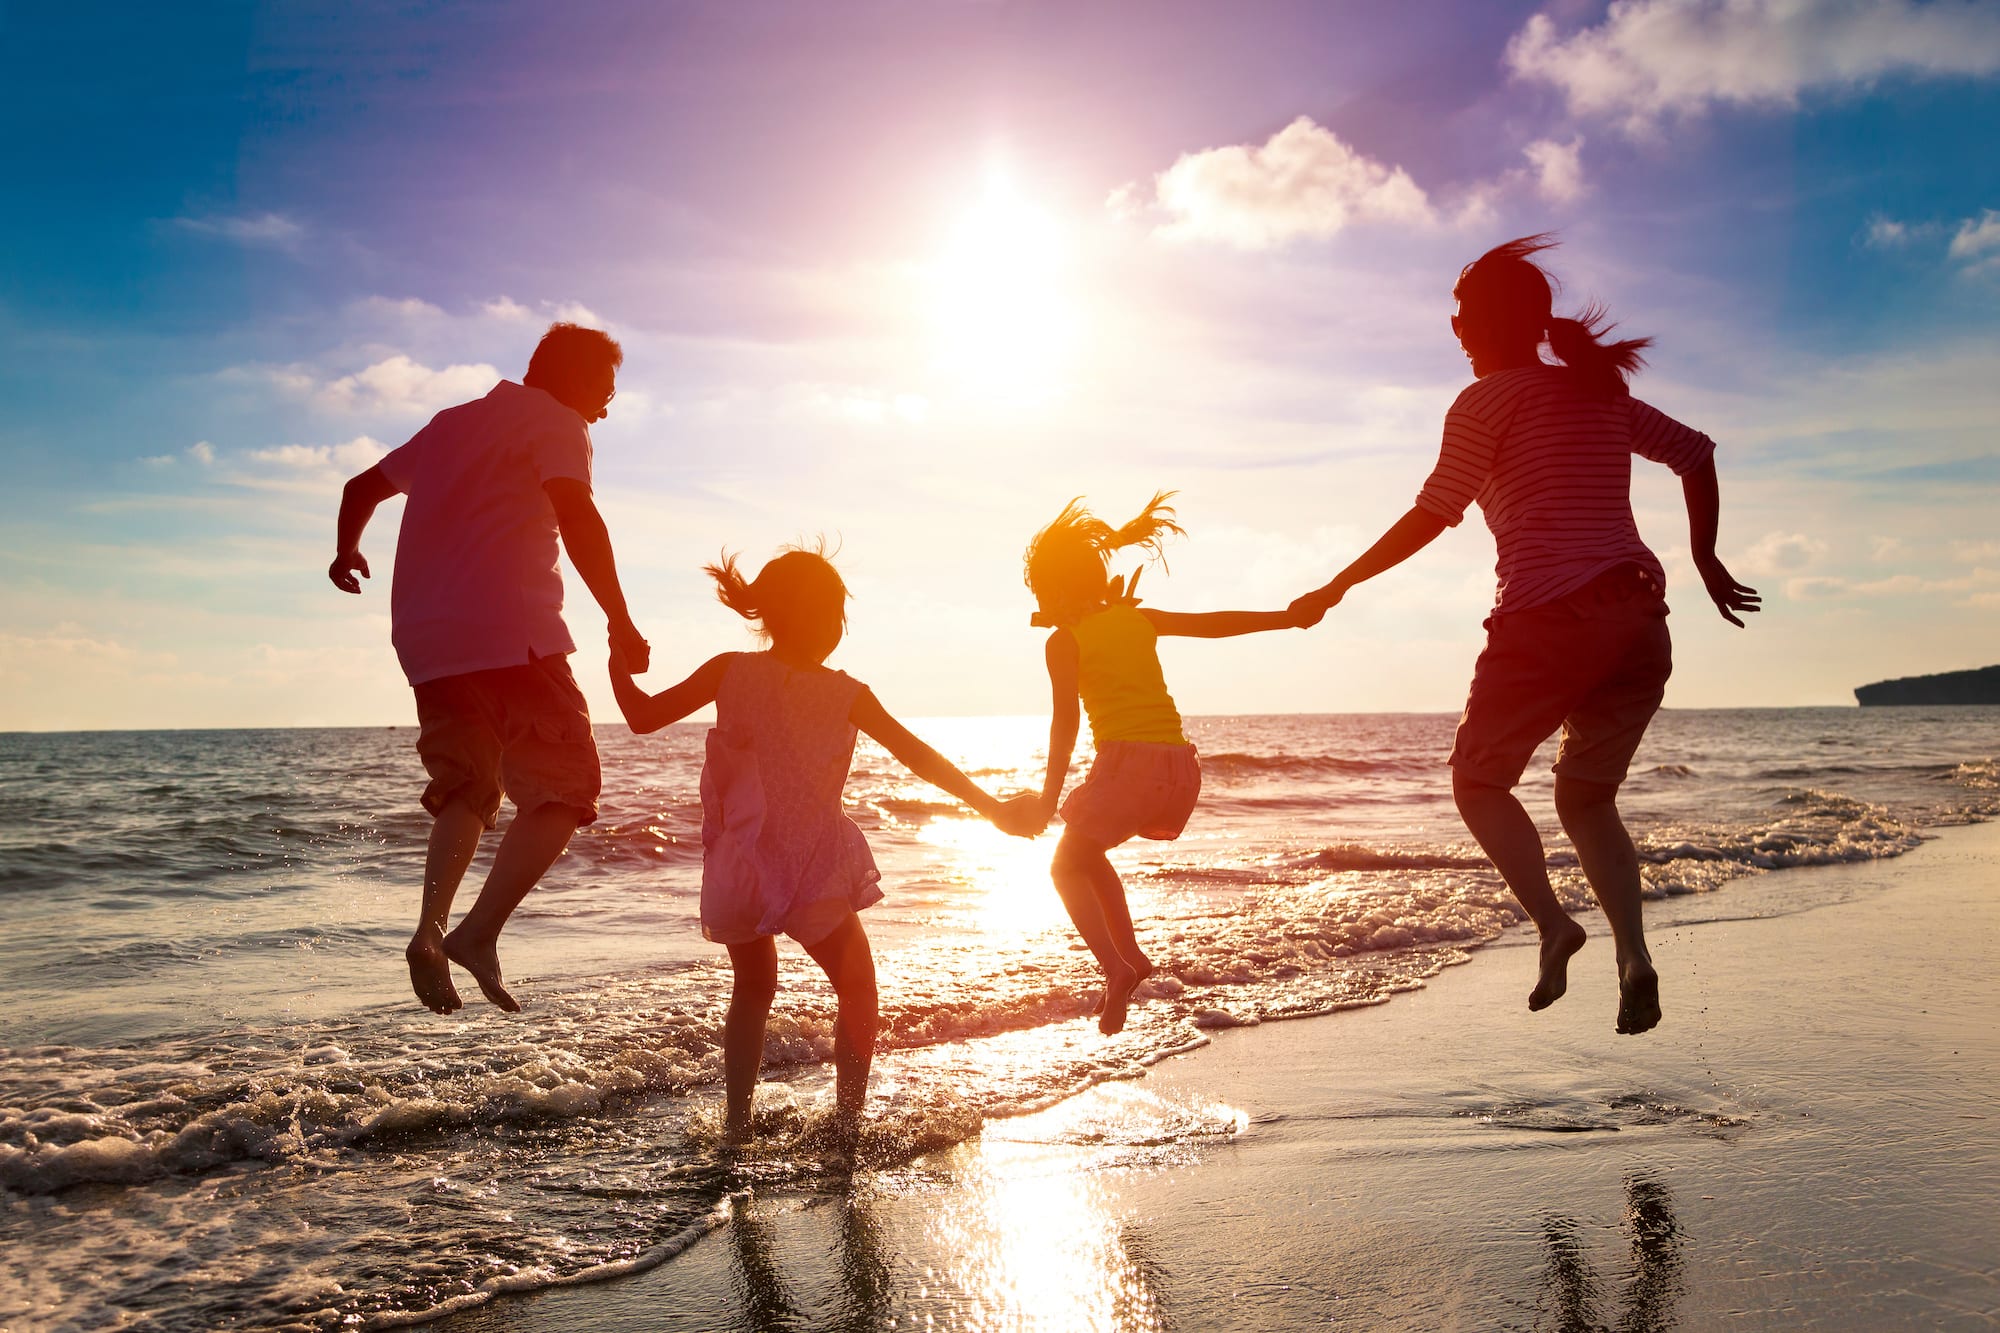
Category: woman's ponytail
[1603,366]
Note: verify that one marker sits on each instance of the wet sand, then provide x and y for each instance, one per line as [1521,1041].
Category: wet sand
[1809,1140]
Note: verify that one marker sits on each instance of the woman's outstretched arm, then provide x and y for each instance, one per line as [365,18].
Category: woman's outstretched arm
[1408,535]
[649,712]
[1703,494]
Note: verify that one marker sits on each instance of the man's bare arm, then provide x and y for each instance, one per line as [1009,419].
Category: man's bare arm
[358,502]
[588,542]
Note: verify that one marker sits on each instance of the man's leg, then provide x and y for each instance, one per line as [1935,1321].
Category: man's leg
[1507,835]
[531,845]
[454,838]
[1589,814]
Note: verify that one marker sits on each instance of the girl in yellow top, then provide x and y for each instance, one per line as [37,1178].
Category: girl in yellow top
[1145,778]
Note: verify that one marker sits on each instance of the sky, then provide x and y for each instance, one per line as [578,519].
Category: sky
[911,275]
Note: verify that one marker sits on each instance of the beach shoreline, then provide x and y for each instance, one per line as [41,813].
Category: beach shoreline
[1804,1142]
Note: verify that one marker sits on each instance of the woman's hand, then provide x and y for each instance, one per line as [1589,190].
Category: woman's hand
[1728,595]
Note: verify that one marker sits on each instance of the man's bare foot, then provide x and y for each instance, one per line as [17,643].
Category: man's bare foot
[482,959]
[1118,988]
[430,971]
[1557,950]
[1638,996]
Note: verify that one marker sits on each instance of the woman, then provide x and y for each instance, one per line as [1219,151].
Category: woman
[1578,635]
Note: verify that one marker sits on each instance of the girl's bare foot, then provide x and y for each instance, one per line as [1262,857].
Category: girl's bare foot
[430,971]
[1118,988]
[481,957]
[1638,996]
[1557,949]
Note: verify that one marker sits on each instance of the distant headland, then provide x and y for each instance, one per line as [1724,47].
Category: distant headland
[1950,687]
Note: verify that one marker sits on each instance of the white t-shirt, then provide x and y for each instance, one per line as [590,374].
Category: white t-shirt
[1551,468]
[476,579]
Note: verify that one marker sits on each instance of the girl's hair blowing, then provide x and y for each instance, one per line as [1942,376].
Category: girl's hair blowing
[1505,286]
[1070,555]
[796,588]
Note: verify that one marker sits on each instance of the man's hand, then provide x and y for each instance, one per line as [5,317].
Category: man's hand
[1728,595]
[343,569]
[629,650]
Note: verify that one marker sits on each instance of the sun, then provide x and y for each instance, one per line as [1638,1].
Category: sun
[1003,294]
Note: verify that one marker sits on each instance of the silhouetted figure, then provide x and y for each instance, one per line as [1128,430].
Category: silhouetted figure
[476,617]
[1573,1295]
[1578,636]
[1145,778]
[779,854]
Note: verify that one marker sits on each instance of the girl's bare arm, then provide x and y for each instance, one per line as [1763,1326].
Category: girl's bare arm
[649,712]
[1065,714]
[869,715]
[1220,624]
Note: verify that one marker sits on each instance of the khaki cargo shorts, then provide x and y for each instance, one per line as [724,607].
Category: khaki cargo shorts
[522,731]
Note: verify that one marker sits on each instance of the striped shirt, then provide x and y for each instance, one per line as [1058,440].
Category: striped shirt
[1551,468]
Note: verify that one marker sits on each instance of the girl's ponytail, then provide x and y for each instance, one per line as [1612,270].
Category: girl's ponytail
[1603,366]
[1154,523]
[732,589]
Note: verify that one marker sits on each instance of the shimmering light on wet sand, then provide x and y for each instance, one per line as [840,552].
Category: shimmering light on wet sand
[1036,1240]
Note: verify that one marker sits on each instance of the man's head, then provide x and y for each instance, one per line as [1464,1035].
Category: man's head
[578,367]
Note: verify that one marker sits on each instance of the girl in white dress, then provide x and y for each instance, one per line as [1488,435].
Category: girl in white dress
[780,856]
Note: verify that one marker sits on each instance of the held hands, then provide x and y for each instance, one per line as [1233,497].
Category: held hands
[1021,816]
[1308,610]
[343,569]
[630,653]
[1728,595]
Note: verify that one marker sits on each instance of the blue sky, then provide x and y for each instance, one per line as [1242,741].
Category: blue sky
[913,274]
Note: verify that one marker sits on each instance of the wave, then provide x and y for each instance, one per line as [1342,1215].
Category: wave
[1230,764]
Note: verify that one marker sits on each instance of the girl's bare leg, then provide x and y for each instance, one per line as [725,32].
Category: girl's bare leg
[1589,814]
[1507,835]
[755,966]
[1095,899]
[849,964]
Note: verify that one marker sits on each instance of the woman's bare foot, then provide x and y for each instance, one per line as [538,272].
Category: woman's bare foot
[430,971]
[1557,950]
[481,957]
[1118,988]
[1638,996]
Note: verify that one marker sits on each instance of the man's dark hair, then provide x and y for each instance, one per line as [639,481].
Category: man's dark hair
[569,354]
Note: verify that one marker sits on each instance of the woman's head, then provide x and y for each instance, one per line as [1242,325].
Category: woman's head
[1068,562]
[797,600]
[1506,311]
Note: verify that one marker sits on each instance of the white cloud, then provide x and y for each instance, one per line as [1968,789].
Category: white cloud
[1782,553]
[404,387]
[505,308]
[1651,57]
[1558,169]
[1886,233]
[363,451]
[1971,553]
[1977,240]
[1304,182]
[266,229]
[202,452]
[1881,549]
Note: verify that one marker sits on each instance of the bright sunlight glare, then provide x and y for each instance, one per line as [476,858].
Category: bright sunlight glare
[1004,304]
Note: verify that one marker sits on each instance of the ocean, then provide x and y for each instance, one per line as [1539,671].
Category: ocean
[220,1106]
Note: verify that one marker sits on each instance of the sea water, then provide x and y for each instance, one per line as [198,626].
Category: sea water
[220,1106]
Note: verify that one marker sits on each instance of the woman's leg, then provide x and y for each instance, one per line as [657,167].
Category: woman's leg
[1589,814]
[1507,835]
[755,966]
[849,964]
[1095,898]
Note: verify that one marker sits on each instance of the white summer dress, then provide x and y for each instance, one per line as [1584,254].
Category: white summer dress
[780,855]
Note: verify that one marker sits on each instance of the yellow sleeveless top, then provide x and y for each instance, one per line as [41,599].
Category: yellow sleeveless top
[1119,680]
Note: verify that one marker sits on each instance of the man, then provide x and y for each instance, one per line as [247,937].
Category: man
[476,618]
